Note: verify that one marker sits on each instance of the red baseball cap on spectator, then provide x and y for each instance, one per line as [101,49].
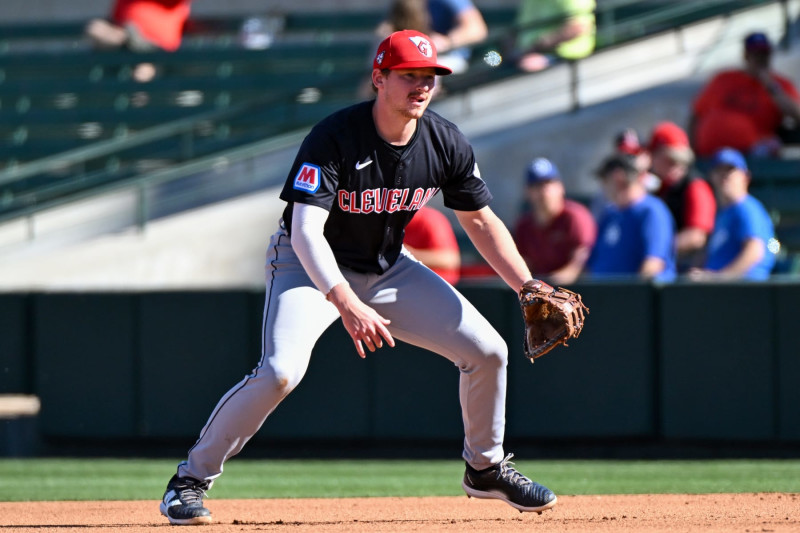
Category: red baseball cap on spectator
[669,136]
[408,49]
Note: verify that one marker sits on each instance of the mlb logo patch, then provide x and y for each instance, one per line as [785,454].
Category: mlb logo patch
[307,178]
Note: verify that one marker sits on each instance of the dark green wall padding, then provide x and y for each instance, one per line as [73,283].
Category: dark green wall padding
[683,362]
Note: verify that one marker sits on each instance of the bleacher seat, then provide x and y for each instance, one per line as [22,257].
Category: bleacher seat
[58,95]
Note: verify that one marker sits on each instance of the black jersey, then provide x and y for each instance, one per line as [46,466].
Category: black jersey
[372,189]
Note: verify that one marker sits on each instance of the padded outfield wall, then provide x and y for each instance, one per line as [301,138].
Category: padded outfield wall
[683,363]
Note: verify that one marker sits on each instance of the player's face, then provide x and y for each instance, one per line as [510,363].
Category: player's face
[409,91]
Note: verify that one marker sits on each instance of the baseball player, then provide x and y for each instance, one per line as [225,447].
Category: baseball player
[358,178]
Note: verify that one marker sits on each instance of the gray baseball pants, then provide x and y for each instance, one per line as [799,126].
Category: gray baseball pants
[424,310]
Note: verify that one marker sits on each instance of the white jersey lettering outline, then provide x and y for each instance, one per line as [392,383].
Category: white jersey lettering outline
[384,200]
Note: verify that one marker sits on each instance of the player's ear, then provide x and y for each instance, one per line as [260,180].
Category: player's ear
[378,77]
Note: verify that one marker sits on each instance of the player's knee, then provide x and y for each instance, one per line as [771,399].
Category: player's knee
[284,382]
[488,357]
[497,358]
[281,379]
[495,351]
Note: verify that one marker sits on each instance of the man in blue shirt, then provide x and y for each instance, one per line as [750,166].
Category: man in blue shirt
[452,25]
[455,26]
[635,232]
[742,245]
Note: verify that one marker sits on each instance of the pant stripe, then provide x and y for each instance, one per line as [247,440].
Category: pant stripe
[263,347]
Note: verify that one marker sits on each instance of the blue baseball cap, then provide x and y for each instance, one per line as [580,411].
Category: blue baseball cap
[730,158]
[542,169]
[757,41]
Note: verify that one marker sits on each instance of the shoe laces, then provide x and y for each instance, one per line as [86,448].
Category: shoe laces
[509,473]
[190,491]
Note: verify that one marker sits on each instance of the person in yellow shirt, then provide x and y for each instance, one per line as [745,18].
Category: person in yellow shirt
[554,30]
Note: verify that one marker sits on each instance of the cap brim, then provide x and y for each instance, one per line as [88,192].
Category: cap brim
[441,70]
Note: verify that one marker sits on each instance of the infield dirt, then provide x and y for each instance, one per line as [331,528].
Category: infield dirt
[716,513]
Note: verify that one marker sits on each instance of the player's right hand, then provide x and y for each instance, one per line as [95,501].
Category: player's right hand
[365,326]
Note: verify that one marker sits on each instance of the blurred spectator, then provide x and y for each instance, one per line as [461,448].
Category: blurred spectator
[556,237]
[430,238]
[406,15]
[635,234]
[141,26]
[627,142]
[453,26]
[688,196]
[743,244]
[744,108]
[552,30]
[258,32]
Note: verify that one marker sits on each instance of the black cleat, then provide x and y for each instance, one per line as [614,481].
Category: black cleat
[503,482]
[183,502]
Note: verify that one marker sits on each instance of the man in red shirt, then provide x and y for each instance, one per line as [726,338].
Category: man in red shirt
[688,196]
[744,108]
[142,26]
[431,239]
[556,237]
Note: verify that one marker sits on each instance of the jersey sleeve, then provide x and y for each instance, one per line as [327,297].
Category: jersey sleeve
[752,222]
[464,189]
[658,233]
[459,6]
[700,206]
[314,176]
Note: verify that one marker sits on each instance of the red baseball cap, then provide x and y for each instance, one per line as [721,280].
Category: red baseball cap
[668,134]
[408,49]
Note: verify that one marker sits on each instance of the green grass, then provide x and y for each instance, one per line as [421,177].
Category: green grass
[141,479]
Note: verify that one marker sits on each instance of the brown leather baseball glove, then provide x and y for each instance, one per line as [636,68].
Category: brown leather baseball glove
[552,316]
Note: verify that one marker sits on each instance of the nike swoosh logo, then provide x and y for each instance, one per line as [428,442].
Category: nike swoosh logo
[360,165]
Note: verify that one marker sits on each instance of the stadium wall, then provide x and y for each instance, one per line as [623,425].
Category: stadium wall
[671,363]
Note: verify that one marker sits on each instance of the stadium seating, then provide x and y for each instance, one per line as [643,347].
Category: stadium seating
[64,98]
[776,182]
[61,97]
